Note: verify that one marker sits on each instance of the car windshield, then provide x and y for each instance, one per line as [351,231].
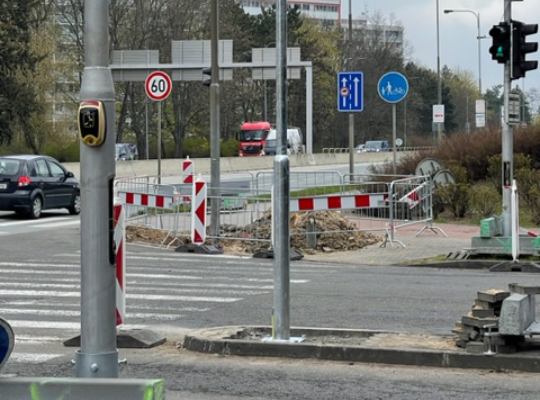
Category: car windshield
[9,167]
[252,135]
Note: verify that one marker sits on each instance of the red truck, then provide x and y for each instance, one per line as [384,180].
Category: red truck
[252,138]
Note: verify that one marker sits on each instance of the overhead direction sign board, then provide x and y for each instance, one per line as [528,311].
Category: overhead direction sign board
[393,87]
[350,91]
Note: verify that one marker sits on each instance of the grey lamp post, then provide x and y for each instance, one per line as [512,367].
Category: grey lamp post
[479,38]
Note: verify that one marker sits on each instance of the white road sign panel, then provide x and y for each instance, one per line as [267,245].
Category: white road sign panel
[438,113]
[158,85]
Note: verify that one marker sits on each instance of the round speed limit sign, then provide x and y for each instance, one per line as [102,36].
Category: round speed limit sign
[158,85]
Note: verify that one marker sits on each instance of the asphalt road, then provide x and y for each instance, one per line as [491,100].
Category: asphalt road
[172,292]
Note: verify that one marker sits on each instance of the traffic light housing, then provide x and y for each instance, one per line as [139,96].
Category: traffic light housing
[520,49]
[500,49]
[207,76]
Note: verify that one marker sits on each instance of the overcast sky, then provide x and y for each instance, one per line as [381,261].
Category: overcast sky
[458,32]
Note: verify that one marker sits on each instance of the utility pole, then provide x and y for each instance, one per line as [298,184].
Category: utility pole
[351,115]
[215,154]
[98,356]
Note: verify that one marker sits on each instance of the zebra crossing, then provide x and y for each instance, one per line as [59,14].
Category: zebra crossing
[41,299]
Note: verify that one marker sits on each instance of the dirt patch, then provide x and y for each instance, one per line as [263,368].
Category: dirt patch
[340,234]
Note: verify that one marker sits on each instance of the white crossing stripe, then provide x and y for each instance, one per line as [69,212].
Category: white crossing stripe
[32,358]
[56,224]
[28,222]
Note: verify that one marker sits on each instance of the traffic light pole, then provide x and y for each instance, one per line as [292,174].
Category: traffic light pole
[98,356]
[507,139]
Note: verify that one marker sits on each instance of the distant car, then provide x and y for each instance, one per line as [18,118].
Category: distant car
[126,151]
[30,184]
[377,145]
[361,148]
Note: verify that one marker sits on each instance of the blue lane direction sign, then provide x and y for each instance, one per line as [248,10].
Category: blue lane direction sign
[393,87]
[6,342]
[350,91]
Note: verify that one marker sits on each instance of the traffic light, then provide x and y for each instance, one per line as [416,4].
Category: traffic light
[207,76]
[520,49]
[500,49]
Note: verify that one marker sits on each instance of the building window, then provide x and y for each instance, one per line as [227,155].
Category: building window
[305,7]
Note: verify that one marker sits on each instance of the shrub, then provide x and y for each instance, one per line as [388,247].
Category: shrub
[484,200]
[229,148]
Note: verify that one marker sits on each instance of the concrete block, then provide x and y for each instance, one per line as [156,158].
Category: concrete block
[523,289]
[481,313]
[470,320]
[492,295]
[486,305]
[517,314]
[476,347]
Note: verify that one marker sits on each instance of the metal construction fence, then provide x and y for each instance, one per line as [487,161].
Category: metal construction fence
[373,203]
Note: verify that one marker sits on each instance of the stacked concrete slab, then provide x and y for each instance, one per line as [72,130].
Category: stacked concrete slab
[483,318]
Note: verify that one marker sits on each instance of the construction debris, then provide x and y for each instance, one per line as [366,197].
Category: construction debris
[330,232]
[483,318]
[333,232]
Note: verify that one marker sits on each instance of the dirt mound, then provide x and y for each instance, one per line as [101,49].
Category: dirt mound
[339,234]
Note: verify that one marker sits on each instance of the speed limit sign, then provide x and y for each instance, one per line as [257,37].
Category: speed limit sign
[158,85]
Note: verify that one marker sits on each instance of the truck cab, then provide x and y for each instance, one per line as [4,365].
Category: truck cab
[252,138]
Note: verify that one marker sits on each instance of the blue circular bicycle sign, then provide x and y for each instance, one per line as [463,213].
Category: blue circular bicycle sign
[393,87]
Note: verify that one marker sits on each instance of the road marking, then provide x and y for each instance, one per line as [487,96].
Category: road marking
[32,358]
[28,222]
[55,225]
[67,313]
[129,296]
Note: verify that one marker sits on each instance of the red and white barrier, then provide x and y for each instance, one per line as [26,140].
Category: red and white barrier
[149,200]
[198,212]
[119,220]
[414,196]
[188,171]
[339,202]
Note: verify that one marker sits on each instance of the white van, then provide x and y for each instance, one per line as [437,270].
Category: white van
[294,141]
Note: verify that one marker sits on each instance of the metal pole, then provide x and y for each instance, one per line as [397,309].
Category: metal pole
[439,82]
[394,133]
[479,56]
[98,356]
[146,129]
[215,201]
[159,143]
[507,140]
[280,219]
[309,110]
[351,115]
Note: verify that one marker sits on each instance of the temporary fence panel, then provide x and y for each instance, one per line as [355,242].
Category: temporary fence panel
[303,183]
[411,201]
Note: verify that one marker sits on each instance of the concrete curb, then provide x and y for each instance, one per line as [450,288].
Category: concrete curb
[220,341]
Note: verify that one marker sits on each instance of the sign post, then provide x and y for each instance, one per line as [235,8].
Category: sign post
[158,86]
[393,88]
[350,98]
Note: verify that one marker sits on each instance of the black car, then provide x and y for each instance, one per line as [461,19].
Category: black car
[32,183]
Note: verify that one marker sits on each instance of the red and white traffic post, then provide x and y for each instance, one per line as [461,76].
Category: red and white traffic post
[198,212]
[119,221]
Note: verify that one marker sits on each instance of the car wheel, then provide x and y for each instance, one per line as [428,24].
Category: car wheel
[36,207]
[75,207]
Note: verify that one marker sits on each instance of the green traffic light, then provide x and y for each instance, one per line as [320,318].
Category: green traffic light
[500,52]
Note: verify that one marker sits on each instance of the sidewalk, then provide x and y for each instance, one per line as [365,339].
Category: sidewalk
[421,244]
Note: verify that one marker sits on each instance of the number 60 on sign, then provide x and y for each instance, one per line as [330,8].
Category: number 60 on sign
[158,85]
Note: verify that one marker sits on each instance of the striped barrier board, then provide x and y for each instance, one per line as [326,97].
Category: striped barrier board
[148,200]
[339,202]
[198,213]
[119,220]
[188,171]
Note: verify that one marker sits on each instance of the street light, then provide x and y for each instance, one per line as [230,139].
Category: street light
[477,15]
[439,82]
